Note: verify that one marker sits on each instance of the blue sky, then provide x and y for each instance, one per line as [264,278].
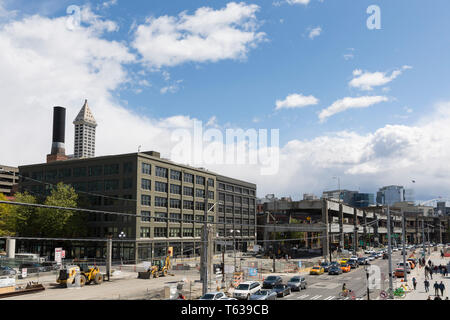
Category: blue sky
[281,59]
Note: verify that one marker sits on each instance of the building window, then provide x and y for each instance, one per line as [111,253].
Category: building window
[146,184]
[95,171]
[160,202]
[95,186]
[145,232]
[111,169]
[161,172]
[188,232]
[146,168]
[188,191]
[200,193]
[188,178]
[211,195]
[50,175]
[175,217]
[238,189]
[175,203]
[188,217]
[146,200]
[221,209]
[245,191]
[174,232]
[188,204]
[145,216]
[79,172]
[198,232]
[200,206]
[128,183]
[160,216]
[175,189]
[245,201]
[199,218]
[229,198]
[111,185]
[228,209]
[160,186]
[175,175]
[211,182]
[160,232]
[221,186]
[128,167]
[80,186]
[200,180]
[221,196]
[229,188]
[64,173]
[210,218]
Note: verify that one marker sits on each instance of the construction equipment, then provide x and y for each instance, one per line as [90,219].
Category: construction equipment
[159,268]
[87,274]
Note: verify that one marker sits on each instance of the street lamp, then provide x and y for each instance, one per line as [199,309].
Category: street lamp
[122,235]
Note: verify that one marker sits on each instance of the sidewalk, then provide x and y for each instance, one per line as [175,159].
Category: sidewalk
[419,274]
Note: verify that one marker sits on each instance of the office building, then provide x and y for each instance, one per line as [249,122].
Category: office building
[390,194]
[8,180]
[85,126]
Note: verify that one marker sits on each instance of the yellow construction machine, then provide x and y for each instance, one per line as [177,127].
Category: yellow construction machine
[88,274]
[159,268]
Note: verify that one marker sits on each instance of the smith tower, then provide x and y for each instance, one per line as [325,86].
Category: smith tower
[85,125]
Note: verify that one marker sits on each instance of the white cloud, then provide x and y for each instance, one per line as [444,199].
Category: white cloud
[304,2]
[315,32]
[206,36]
[365,80]
[350,103]
[296,101]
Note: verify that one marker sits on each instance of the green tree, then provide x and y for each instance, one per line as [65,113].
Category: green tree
[7,226]
[60,222]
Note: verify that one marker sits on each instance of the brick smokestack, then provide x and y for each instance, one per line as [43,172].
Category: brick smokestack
[59,132]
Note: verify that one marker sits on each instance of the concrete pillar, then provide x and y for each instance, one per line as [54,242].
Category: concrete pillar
[326,238]
[11,248]
[365,228]
[341,226]
[108,257]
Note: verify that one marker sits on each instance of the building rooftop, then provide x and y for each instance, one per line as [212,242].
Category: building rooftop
[85,115]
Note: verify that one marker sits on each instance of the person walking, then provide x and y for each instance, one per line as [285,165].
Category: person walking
[427,285]
[436,289]
[442,254]
[442,288]
[414,282]
[426,272]
[431,272]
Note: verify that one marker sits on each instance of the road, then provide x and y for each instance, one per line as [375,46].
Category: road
[328,287]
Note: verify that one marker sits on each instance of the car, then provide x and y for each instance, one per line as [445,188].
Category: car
[270,281]
[394,249]
[353,263]
[414,261]
[354,258]
[399,272]
[325,266]
[374,255]
[227,298]
[32,267]
[370,258]
[213,296]
[408,266]
[335,270]
[345,267]
[297,283]
[7,271]
[316,270]
[282,290]
[363,261]
[246,289]
[50,265]
[385,256]
[344,260]
[263,294]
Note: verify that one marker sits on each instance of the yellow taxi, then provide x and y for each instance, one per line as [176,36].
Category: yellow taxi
[343,261]
[317,270]
[345,267]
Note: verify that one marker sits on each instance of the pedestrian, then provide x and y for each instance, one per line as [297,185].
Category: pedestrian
[442,254]
[446,271]
[429,298]
[431,272]
[427,285]
[442,288]
[436,289]
[414,282]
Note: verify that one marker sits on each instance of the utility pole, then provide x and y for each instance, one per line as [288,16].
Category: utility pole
[423,236]
[391,287]
[404,247]
[108,256]
[204,257]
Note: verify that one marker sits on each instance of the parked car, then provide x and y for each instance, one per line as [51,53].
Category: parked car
[408,266]
[213,296]
[345,267]
[316,270]
[335,270]
[363,261]
[370,258]
[344,260]
[282,290]
[263,295]
[50,265]
[270,281]
[7,271]
[246,289]
[297,283]
[32,267]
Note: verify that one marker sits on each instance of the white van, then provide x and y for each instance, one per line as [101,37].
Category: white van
[246,289]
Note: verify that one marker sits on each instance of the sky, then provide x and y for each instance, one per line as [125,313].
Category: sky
[355,95]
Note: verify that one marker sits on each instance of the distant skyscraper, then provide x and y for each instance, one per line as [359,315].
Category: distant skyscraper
[390,194]
[85,125]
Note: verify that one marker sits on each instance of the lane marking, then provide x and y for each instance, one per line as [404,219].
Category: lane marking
[330,298]
[303,296]
[316,297]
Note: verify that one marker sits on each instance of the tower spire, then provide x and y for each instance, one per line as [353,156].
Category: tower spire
[85,125]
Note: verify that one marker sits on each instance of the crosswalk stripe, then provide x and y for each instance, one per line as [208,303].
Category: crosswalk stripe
[330,298]
[316,297]
[303,296]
